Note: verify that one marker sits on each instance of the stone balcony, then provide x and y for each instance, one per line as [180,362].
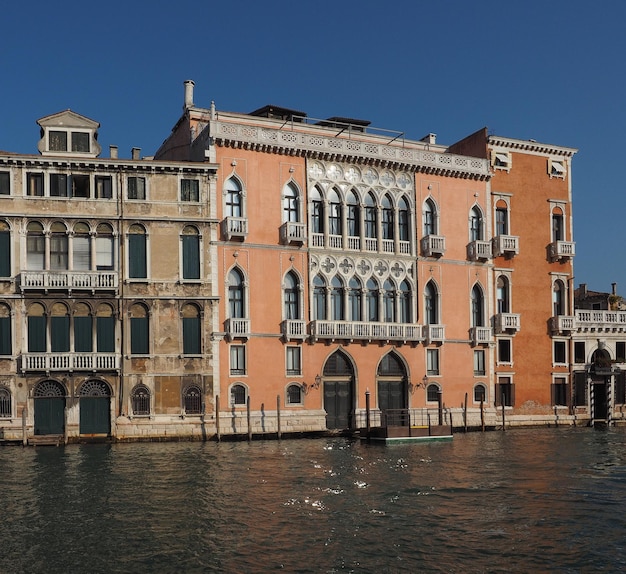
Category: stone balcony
[479,251]
[69,281]
[600,321]
[50,362]
[365,331]
[235,228]
[434,334]
[433,246]
[562,324]
[480,335]
[562,250]
[237,328]
[507,322]
[294,329]
[292,232]
[505,245]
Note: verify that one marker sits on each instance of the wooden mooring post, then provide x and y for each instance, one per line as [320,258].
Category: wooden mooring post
[217,418]
[503,421]
[465,413]
[367,414]
[278,416]
[482,415]
[248,418]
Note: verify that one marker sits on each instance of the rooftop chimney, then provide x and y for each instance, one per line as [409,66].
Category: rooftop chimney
[113,151]
[430,139]
[583,290]
[135,152]
[189,84]
[614,288]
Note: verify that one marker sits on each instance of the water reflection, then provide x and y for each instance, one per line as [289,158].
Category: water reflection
[540,500]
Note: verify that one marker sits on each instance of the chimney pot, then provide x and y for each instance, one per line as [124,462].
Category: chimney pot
[135,152]
[113,151]
[189,84]
[614,288]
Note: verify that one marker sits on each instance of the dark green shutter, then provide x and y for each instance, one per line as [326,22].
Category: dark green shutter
[83,335]
[139,335]
[60,334]
[5,335]
[191,257]
[137,256]
[191,335]
[105,332]
[5,254]
[37,334]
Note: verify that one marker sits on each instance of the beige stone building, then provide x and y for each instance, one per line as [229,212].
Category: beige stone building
[107,291]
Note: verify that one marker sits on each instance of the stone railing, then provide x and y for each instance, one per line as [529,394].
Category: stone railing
[592,320]
[505,245]
[68,280]
[366,331]
[48,362]
[507,322]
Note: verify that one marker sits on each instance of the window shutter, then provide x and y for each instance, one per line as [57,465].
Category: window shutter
[191,257]
[60,334]
[139,335]
[137,256]
[82,253]
[105,333]
[5,254]
[83,335]
[191,335]
[5,335]
[37,334]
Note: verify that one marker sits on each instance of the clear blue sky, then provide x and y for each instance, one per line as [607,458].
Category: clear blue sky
[550,71]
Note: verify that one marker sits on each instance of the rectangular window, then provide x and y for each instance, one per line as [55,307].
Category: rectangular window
[58,185]
[136,188]
[5,253]
[189,190]
[560,352]
[479,362]
[104,253]
[237,360]
[504,350]
[104,187]
[579,352]
[58,252]
[57,141]
[191,336]
[505,392]
[432,361]
[294,361]
[559,392]
[81,246]
[5,335]
[34,184]
[620,351]
[139,336]
[80,141]
[35,252]
[5,183]
[80,186]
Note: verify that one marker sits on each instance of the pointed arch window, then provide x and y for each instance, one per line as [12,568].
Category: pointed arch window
[502,295]
[431,304]
[290,203]
[317,211]
[234,198]
[319,298]
[404,300]
[334,213]
[430,218]
[387,218]
[336,299]
[404,227]
[371,300]
[354,300]
[292,296]
[478,315]
[370,216]
[389,302]
[558,298]
[476,224]
[236,294]
[353,215]
[5,403]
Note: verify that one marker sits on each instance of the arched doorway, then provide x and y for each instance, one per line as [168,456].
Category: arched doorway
[49,402]
[600,384]
[95,407]
[392,389]
[338,391]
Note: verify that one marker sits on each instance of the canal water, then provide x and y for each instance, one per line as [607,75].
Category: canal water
[544,500]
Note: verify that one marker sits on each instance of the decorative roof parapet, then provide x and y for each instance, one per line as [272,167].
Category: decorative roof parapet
[364,150]
[531,146]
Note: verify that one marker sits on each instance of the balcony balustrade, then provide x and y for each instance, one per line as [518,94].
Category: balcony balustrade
[434,333]
[562,250]
[237,328]
[366,331]
[507,245]
[563,324]
[69,280]
[49,362]
[507,322]
[481,335]
[433,246]
[292,232]
[479,250]
[600,321]
[294,330]
[235,228]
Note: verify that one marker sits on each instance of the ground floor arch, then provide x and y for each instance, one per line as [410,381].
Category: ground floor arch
[95,407]
[49,405]
[338,381]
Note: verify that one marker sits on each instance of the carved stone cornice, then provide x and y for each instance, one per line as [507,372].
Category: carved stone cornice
[530,146]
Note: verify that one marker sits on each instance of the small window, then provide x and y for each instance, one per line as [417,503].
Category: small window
[294,394]
[5,403]
[237,360]
[294,361]
[5,183]
[502,160]
[560,352]
[238,395]
[480,393]
[559,392]
[620,349]
[80,186]
[104,187]
[432,393]
[580,356]
[80,141]
[136,188]
[504,350]
[192,400]
[58,185]
[479,362]
[432,361]
[140,401]
[189,190]
[57,140]
[557,169]
[34,184]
